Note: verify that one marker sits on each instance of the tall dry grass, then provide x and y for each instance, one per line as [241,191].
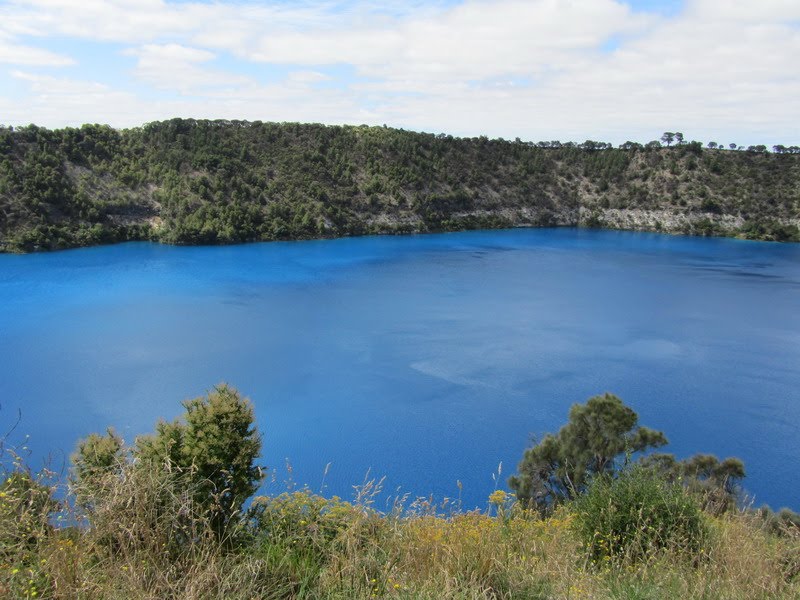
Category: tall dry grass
[144,538]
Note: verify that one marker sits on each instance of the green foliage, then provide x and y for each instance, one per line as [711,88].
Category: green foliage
[784,522]
[26,502]
[716,483]
[209,453]
[597,435]
[300,533]
[772,230]
[26,506]
[96,460]
[293,516]
[637,514]
[216,444]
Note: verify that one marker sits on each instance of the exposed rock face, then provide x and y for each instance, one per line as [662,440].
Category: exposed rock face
[668,221]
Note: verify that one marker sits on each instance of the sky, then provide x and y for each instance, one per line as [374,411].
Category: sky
[608,70]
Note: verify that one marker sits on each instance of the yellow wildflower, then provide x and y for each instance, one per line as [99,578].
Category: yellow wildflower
[498,497]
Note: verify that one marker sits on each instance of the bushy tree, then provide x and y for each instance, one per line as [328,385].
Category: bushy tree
[217,443]
[598,434]
[716,482]
[210,451]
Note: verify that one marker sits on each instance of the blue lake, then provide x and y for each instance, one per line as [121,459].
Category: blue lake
[426,359]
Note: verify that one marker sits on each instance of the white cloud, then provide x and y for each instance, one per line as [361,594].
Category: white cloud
[20,54]
[475,40]
[176,67]
[48,85]
[533,68]
[746,12]
[308,76]
[99,20]
[59,101]
[141,21]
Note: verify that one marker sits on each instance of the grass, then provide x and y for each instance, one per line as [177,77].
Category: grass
[147,540]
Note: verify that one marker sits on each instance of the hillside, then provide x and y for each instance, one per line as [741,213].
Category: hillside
[211,182]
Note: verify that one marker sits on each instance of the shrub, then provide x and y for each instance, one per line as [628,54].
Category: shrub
[149,512]
[302,519]
[217,443]
[715,483]
[303,537]
[97,462]
[637,514]
[785,522]
[210,452]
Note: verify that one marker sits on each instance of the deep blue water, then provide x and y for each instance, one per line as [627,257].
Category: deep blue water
[426,359]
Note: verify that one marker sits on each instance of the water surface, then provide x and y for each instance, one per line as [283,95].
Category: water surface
[426,359]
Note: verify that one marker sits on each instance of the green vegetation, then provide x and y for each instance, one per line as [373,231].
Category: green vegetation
[597,434]
[165,519]
[715,482]
[186,181]
[597,445]
[636,515]
[215,448]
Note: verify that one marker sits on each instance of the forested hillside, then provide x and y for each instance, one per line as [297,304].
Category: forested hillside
[207,182]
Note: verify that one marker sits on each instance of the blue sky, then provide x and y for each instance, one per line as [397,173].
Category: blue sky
[719,70]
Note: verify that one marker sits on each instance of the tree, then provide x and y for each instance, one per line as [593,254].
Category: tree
[217,443]
[668,137]
[693,148]
[717,482]
[592,145]
[679,137]
[597,435]
[712,145]
[732,146]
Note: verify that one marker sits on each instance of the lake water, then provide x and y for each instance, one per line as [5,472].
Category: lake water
[426,359]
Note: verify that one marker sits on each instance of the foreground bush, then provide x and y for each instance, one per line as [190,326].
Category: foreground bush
[637,515]
[211,451]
